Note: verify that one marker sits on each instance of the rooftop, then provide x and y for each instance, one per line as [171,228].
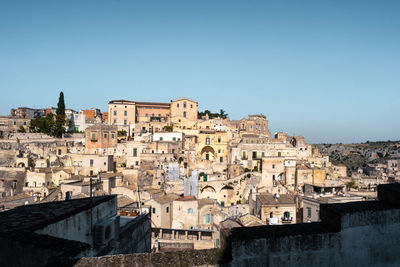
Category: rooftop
[166,198]
[37,216]
[187,198]
[270,199]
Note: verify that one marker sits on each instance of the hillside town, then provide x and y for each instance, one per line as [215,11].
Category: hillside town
[190,173]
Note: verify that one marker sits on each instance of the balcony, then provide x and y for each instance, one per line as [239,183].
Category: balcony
[287,220]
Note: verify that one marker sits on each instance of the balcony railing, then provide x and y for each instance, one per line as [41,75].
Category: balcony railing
[287,219]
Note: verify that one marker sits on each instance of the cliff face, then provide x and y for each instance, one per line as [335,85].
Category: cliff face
[358,155]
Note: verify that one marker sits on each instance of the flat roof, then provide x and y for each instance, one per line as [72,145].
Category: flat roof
[37,216]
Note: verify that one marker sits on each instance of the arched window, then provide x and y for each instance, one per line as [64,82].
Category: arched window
[286,215]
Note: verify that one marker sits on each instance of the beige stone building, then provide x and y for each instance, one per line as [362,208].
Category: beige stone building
[101,136]
[150,111]
[185,213]
[161,210]
[121,112]
[184,107]
[276,208]
[254,124]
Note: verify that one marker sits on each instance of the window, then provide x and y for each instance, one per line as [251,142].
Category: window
[24,122]
[112,136]
[15,123]
[207,140]
[262,154]
[222,203]
[273,166]
[271,214]
[219,139]
[173,138]
[137,163]
[279,154]
[308,212]
[125,113]
[205,178]
[221,159]
[167,209]
[177,105]
[91,163]
[184,104]
[191,106]
[115,121]
[208,219]
[154,210]
[91,173]
[254,154]
[189,211]
[93,136]
[115,113]
[125,122]
[184,114]
[207,156]
[105,135]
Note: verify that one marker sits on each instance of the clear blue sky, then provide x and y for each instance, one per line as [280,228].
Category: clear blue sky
[327,70]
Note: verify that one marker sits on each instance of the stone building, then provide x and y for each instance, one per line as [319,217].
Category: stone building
[254,124]
[121,112]
[101,136]
[184,107]
[276,208]
[161,210]
[58,233]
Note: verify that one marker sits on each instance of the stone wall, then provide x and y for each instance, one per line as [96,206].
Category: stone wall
[350,234]
[135,237]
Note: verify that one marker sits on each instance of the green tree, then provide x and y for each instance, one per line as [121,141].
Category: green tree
[21,129]
[44,125]
[60,117]
[122,133]
[168,128]
[222,114]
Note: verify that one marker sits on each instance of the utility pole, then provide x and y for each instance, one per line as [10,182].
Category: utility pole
[140,201]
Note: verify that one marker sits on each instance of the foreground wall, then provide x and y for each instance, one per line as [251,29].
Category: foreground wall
[350,234]
[365,238]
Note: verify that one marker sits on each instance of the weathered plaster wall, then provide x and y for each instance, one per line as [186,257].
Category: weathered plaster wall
[77,227]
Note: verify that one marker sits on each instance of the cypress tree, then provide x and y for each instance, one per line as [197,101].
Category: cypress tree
[60,117]
[61,105]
